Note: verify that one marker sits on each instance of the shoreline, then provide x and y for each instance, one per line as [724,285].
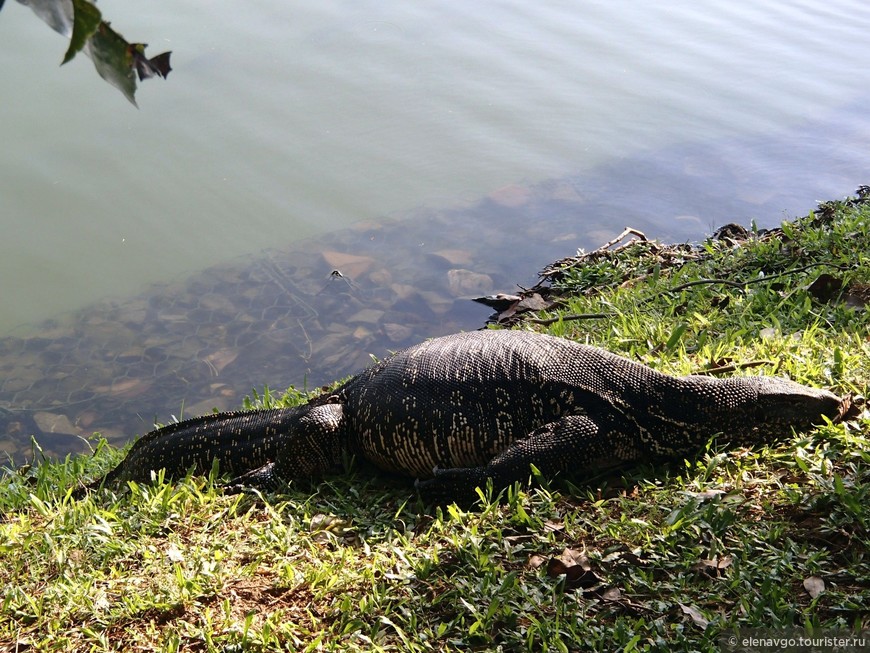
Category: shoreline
[675,557]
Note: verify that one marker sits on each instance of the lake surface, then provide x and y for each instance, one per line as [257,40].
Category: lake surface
[177,255]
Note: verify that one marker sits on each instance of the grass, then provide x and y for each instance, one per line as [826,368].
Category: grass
[666,558]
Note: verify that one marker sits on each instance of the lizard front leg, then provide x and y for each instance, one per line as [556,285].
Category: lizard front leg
[571,444]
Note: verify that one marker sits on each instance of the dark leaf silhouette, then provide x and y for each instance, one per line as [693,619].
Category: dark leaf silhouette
[825,287]
[148,68]
[116,60]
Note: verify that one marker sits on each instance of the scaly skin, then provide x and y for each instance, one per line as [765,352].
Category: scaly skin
[455,411]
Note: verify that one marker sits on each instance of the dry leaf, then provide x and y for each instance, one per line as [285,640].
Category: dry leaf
[536,560]
[611,594]
[696,615]
[574,557]
[714,566]
[553,526]
[174,553]
[825,287]
[575,567]
[814,586]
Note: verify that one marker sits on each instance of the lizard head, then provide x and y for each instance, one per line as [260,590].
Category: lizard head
[781,404]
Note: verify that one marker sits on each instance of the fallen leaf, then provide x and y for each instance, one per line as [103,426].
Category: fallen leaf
[696,615]
[575,567]
[174,553]
[574,557]
[767,333]
[825,287]
[536,560]
[814,586]
[553,526]
[714,566]
[851,407]
[101,602]
[611,594]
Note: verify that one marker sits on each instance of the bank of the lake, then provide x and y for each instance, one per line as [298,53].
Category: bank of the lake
[675,557]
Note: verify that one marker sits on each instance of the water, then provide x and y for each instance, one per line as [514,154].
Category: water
[510,131]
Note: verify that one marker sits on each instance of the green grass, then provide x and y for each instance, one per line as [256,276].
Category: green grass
[658,558]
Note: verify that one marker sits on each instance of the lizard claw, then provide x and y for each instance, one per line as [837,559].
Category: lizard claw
[453,484]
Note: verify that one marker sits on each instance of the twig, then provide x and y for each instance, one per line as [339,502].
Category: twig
[740,285]
[796,270]
[699,282]
[560,266]
[573,316]
[628,231]
[733,367]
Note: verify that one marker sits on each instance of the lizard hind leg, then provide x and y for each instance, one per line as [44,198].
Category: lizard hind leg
[570,444]
[262,478]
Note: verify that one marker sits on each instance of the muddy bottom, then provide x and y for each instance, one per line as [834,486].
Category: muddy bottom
[316,312]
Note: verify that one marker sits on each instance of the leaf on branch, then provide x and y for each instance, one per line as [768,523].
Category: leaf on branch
[116,60]
[86,20]
[148,68]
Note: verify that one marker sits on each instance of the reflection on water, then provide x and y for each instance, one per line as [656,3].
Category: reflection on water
[310,314]
[297,118]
